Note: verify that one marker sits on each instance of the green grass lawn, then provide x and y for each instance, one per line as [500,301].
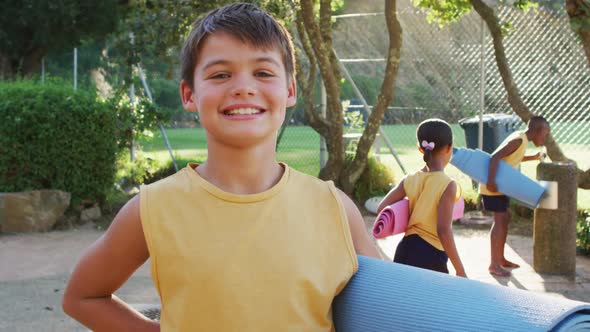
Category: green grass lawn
[299,148]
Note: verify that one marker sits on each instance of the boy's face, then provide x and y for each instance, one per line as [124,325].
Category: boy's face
[240,92]
[540,135]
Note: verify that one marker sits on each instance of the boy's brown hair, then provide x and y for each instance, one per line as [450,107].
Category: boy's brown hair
[243,21]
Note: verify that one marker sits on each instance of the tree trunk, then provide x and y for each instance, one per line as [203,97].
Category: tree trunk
[321,44]
[579,13]
[353,172]
[6,71]
[517,104]
[307,82]
[32,60]
[25,66]
[584,179]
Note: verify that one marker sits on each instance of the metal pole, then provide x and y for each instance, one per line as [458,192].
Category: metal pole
[132,100]
[482,84]
[75,68]
[368,110]
[149,94]
[323,147]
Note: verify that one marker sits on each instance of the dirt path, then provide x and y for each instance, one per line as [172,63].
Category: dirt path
[34,269]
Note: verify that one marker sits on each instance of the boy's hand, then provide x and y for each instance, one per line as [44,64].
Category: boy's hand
[491,185]
[542,155]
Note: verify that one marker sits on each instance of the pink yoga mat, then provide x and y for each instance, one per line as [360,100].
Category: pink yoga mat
[458,209]
[394,218]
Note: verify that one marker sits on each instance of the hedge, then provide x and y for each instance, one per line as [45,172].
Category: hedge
[54,138]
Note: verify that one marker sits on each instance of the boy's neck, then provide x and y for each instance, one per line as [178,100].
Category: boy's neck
[241,171]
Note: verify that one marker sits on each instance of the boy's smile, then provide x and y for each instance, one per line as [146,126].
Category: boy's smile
[243,112]
[241,92]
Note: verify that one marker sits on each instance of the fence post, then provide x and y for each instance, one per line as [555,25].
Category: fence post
[75,68]
[554,232]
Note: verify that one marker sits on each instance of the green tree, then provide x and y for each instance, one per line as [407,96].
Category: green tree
[579,13]
[30,29]
[313,24]
[453,10]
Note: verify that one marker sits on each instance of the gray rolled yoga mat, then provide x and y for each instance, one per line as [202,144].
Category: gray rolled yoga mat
[384,296]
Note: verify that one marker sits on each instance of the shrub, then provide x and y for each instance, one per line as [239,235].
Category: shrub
[583,232]
[54,138]
[145,170]
[133,173]
[166,95]
[471,198]
[376,180]
[135,121]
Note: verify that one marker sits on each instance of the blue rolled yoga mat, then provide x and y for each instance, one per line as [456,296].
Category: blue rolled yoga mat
[384,296]
[510,182]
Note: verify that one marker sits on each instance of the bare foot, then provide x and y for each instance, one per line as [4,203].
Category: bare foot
[498,271]
[508,264]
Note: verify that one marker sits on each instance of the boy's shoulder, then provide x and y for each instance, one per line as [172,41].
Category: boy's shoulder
[515,135]
[304,178]
[171,182]
[302,184]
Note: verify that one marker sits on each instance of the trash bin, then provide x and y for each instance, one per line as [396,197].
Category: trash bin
[496,127]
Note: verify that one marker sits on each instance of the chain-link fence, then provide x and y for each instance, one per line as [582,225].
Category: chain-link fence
[441,72]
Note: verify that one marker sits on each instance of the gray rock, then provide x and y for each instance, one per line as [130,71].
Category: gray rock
[32,211]
[90,214]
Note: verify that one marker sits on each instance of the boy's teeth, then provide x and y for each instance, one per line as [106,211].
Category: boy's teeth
[244,111]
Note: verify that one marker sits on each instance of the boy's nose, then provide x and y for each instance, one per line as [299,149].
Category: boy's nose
[243,87]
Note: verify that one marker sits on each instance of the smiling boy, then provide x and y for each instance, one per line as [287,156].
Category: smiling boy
[241,241]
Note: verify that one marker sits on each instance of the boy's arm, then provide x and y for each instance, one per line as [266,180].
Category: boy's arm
[393,196]
[103,268]
[495,161]
[536,156]
[363,245]
[444,227]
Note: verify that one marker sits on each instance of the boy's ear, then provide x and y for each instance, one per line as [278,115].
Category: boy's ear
[292,89]
[421,150]
[188,97]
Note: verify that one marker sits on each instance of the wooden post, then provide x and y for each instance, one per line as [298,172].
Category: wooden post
[554,233]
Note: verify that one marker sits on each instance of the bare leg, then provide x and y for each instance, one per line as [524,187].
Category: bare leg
[503,261]
[498,235]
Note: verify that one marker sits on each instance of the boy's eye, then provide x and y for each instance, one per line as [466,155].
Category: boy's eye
[264,74]
[219,76]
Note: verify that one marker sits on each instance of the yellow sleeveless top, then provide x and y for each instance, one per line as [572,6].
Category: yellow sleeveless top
[514,159]
[424,190]
[271,261]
